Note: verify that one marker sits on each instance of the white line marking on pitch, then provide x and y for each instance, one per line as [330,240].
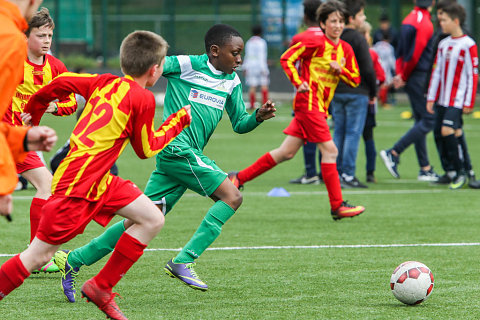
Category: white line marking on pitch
[326,246]
[308,193]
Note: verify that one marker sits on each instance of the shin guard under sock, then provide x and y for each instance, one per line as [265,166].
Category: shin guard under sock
[127,251]
[35,215]
[206,233]
[12,275]
[332,182]
[97,248]
[264,163]
[451,144]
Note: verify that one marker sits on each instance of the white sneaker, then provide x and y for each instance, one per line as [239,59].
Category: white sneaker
[429,176]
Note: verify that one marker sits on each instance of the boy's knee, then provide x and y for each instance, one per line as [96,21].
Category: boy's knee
[237,200]
[158,223]
[289,155]
[234,200]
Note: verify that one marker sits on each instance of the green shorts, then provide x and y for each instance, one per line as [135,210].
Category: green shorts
[179,169]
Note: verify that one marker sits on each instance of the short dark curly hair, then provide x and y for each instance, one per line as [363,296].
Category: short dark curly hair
[310,9]
[219,35]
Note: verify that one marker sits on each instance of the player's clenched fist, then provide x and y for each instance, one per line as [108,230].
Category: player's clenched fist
[266,111]
[41,138]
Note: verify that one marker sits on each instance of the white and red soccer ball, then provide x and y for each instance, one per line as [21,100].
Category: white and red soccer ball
[412,282]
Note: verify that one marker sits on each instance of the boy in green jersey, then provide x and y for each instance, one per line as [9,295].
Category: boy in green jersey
[210,85]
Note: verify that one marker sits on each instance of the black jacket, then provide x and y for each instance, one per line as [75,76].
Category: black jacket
[368,84]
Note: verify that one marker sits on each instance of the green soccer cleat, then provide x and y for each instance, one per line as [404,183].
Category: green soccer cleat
[69,274]
[50,267]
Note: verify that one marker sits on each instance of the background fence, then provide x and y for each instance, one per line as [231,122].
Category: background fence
[96,28]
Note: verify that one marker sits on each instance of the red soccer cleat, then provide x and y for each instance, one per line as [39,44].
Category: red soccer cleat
[346,211]
[233,176]
[103,299]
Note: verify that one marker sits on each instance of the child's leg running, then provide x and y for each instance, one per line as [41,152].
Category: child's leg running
[264,163]
[127,251]
[332,182]
[97,248]
[12,275]
[206,233]
[35,214]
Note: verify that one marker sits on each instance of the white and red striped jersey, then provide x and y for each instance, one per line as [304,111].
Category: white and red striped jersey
[455,75]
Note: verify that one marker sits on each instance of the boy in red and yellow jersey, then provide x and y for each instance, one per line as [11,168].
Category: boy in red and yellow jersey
[13,52]
[324,61]
[119,110]
[40,68]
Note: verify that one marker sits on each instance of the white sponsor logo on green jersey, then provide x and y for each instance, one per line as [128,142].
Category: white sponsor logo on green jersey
[206,98]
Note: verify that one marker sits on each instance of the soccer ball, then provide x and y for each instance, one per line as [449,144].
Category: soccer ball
[411,282]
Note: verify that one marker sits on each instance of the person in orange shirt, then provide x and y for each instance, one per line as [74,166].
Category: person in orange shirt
[14,141]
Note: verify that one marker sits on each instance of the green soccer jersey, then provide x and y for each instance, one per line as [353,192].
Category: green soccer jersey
[194,80]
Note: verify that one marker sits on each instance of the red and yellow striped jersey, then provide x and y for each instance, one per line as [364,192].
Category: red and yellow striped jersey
[118,110]
[315,54]
[35,77]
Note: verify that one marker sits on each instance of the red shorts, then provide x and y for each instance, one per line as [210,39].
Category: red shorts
[311,127]
[64,217]
[32,161]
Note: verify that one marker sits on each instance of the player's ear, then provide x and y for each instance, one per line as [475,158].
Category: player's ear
[214,49]
[153,70]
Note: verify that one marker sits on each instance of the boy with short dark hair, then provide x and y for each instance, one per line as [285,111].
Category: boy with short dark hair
[39,69]
[119,110]
[210,84]
[324,62]
[453,85]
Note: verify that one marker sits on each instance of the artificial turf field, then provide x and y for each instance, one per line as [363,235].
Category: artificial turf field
[284,258]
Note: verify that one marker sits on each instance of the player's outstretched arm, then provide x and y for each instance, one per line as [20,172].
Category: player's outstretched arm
[267,111]
[147,142]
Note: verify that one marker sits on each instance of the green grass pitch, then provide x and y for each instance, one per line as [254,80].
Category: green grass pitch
[288,258]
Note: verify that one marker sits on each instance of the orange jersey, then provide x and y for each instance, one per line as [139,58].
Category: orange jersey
[118,111]
[13,51]
[34,78]
[315,55]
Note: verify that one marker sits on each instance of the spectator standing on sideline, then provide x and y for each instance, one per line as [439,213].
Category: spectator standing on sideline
[370,123]
[413,55]
[255,66]
[385,31]
[349,105]
[453,85]
[14,141]
[311,176]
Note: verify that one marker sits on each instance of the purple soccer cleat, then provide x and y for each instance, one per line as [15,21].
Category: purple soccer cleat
[69,274]
[185,273]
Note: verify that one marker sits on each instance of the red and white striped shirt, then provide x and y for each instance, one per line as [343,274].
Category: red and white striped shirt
[455,75]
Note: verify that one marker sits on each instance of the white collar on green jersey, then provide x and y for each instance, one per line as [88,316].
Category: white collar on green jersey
[212,68]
